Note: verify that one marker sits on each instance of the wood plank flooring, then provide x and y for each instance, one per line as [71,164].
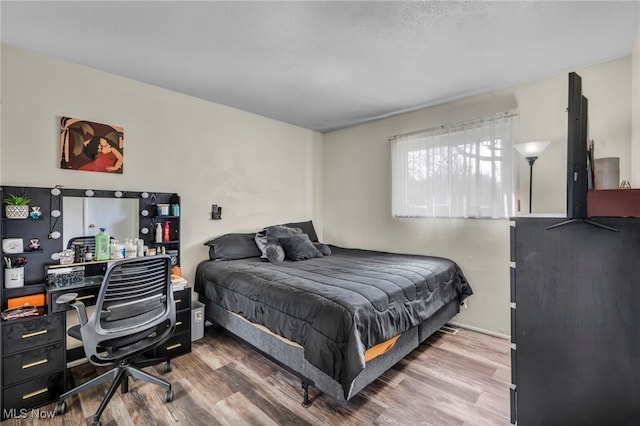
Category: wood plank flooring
[460,379]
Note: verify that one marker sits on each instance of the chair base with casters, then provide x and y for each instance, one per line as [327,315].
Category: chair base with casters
[120,376]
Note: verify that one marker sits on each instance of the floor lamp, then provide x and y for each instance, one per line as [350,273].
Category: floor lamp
[531,151]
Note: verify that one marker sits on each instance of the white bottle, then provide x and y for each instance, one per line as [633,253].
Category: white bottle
[117,250]
[158,233]
[140,246]
[130,249]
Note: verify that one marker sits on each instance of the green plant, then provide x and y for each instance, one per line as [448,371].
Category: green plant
[16,200]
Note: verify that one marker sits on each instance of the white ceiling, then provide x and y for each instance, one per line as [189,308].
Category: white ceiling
[326,65]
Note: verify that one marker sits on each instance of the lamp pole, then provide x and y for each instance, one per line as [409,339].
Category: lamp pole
[531,160]
[531,151]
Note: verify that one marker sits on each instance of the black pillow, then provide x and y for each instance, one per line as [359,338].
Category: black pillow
[299,247]
[306,227]
[233,246]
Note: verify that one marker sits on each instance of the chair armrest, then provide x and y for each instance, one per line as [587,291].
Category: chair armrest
[66,298]
[81,310]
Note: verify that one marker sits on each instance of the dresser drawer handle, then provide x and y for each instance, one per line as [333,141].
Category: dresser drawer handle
[89,296]
[178,301]
[36,393]
[34,334]
[176,346]
[178,323]
[35,363]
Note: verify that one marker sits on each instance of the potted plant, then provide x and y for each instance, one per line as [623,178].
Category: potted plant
[16,206]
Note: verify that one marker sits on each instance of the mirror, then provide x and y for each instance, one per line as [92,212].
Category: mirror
[85,216]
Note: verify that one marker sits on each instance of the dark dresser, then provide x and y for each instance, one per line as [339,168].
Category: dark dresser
[33,363]
[575,322]
[180,342]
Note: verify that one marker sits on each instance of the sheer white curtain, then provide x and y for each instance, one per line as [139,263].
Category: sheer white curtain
[462,170]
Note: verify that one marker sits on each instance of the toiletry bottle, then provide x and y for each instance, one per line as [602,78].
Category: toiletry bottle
[167,231]
[158,233]
[117,250]
[130,249]
[140,246]
[102,245]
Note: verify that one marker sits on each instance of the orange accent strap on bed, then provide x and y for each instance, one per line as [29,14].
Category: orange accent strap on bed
[380,348]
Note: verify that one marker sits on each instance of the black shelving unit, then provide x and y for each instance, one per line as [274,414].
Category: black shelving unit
[149,218]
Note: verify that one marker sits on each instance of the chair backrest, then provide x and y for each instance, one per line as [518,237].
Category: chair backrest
[134,312]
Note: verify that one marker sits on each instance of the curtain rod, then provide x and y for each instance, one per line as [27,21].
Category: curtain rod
[458,124]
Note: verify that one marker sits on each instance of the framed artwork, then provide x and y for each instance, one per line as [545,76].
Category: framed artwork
[89,146]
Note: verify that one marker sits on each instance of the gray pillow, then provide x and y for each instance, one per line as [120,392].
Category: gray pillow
[261,242]
[269,236]
[233,246]
[274,253]
[299,247]
[323,248]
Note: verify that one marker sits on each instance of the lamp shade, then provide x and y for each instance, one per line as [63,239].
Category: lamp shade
[531,149]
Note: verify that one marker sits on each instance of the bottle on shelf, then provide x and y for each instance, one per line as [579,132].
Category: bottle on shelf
[130,249]
[117,250]
[158,234]
[139,247]
[166,235]
[102,245]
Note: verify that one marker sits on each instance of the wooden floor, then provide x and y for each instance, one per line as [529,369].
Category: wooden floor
[460,379]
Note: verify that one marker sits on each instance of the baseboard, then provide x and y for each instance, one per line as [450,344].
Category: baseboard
[481,330]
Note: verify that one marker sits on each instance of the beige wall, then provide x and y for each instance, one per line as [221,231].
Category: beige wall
[357,203]
[260,171]
[263,171]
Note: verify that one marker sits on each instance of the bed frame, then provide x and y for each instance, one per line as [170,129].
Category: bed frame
[292,359]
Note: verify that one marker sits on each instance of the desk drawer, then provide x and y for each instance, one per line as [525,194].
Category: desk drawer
[19,335]
[33,393]
[26,365]
[183,321]
[182,299]
[179,344]
[88,296]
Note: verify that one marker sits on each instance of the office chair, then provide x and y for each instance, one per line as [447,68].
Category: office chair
[134,313]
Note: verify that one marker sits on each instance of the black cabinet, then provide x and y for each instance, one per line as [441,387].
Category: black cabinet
[575,315]
[33,362]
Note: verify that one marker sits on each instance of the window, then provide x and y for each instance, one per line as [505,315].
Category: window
[461,170]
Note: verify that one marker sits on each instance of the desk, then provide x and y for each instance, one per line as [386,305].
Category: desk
[35,353]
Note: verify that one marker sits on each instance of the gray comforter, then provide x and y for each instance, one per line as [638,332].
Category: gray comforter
[337,306]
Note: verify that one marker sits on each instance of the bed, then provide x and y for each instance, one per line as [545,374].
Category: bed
[336,317]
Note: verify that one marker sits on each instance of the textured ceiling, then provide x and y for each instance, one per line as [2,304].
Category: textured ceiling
[326,65]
